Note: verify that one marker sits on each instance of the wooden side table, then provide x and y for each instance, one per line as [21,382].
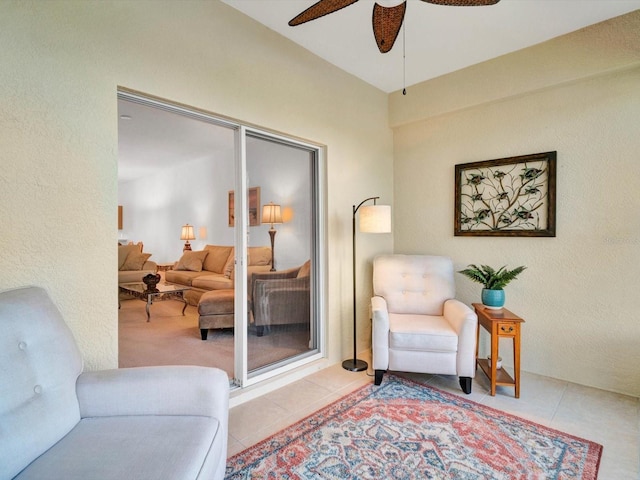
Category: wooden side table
[500,324]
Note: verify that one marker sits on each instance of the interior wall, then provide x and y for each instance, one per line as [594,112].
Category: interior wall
[62,64]
[284,175]
[577,295]
[156,206]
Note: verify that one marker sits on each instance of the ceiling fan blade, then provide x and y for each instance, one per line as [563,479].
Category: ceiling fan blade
[463,3]
[320,9]
[386,24]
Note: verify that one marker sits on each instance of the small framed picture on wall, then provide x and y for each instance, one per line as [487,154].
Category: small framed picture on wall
[253,203]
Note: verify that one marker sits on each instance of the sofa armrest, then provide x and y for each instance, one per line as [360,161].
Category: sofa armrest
[380,333]
[167,390]
[150,265]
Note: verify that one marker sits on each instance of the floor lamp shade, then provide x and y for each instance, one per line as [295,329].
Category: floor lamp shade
[373,219]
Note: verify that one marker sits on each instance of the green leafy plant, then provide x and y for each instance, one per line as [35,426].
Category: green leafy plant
[491,278]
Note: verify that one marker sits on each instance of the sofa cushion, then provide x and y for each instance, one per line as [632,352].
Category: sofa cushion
[132,276]
[213,281]
[106,448]
[183,277]
[216,258]
[135,261]
[192,261]
[217,302]
[424,333]
[124,251]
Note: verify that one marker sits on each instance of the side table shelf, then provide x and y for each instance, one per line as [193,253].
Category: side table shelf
[500,324]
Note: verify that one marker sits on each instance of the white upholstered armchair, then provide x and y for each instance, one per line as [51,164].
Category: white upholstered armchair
[418,326]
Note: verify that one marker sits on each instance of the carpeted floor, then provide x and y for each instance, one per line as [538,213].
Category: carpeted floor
[172,339]
[406,430]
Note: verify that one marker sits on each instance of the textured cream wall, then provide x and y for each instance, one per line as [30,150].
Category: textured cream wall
[579,294]
[61,65]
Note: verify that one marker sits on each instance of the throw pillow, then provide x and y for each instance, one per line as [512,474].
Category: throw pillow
[192,261]
[259,255]
[124,251]
[216,258]
[231,261]
[135,261]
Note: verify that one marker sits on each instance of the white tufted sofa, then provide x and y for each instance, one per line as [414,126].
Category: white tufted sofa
[418,326]
[57,423]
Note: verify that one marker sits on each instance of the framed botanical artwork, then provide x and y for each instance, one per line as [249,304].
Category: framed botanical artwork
[253,202]
[513,196]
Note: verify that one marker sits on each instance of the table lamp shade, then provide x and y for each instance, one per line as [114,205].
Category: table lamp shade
[271,214]
[187,233]
[375,219]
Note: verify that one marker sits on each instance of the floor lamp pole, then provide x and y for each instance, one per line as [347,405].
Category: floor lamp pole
[272,234]
[354,364]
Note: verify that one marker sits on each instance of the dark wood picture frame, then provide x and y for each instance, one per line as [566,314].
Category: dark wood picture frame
[507,197]
[253,202]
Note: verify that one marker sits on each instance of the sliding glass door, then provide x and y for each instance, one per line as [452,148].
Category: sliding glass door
[254,204]
[282,257]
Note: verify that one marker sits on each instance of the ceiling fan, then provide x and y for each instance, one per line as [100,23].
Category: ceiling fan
[386,20]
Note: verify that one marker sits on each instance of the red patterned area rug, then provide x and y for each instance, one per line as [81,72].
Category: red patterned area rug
[405,430]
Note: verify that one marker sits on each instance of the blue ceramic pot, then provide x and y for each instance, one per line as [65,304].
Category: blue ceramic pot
[493,298]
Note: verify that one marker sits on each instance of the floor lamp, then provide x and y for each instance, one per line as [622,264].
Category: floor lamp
[373,219]
[271,214]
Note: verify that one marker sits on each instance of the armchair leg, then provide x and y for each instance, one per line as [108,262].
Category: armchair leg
[465,384]
[203,333]
[378,377]
[260,331]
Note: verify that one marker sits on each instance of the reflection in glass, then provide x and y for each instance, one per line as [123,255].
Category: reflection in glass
[281,320]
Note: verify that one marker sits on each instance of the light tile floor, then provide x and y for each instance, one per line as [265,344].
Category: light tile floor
[607,418]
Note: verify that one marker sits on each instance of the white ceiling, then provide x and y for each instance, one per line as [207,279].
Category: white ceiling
[438,39]
[152,139]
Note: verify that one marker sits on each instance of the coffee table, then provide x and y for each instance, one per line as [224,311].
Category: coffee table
[139,290]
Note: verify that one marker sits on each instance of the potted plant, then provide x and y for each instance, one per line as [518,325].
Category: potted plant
[493,281]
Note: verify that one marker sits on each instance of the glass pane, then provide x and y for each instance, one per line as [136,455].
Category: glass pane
[176,168]
[281,252]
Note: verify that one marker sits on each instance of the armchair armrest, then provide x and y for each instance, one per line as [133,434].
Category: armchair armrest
[380,333]
[290,273]
[170,390]
[282,274]
[465,321]
[461,317]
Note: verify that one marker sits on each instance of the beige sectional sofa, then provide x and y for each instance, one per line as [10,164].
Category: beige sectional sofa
[133,264]
[213,269]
